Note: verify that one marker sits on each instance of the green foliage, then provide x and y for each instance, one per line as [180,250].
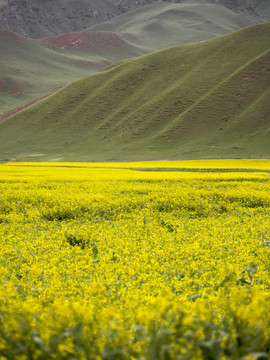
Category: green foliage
[74,240]
[249,271]
[59,214]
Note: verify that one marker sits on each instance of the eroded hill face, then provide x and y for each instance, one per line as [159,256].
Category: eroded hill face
[41,19]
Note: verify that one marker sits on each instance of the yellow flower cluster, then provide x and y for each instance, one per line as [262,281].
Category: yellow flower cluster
[158,260]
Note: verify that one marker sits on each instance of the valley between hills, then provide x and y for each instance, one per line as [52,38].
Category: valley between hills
[161,80]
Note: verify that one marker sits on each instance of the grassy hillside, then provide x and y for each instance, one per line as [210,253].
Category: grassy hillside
[165,24]
[209,99]
[30,69]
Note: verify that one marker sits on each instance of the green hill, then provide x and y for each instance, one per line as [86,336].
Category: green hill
[209,99]
[30,69]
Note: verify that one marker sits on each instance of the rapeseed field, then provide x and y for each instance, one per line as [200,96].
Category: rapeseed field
[159,260]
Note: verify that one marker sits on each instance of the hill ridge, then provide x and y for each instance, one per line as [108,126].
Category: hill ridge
[219,85]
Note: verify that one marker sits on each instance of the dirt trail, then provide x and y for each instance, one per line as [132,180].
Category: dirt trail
[15,111]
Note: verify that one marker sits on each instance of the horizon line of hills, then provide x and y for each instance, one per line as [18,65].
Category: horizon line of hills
[42,19]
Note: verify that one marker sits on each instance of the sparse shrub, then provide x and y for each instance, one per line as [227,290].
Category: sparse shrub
[75,240]
[60,214]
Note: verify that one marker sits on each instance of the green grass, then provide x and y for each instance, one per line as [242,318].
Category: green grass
[204,100]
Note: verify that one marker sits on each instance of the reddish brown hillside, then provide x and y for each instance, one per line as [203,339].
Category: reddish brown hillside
[93,41]
[15,111]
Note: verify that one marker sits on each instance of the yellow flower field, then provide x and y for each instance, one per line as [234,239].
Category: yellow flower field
[157,260]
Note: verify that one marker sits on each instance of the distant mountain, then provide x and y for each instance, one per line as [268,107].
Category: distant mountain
[31,68]
[164,24]
[41,19]
[209,99]
[257,8]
